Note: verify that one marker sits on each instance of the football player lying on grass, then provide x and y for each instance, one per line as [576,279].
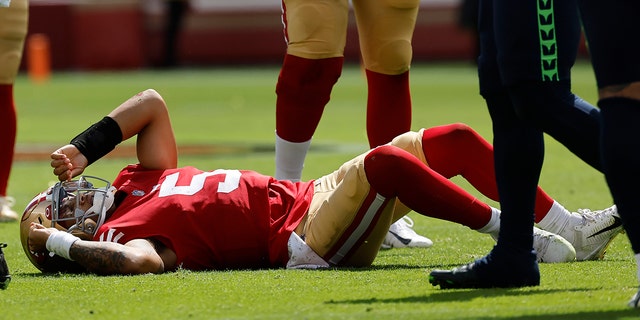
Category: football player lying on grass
[156,217]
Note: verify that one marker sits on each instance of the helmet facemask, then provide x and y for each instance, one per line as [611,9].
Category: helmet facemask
[69,198]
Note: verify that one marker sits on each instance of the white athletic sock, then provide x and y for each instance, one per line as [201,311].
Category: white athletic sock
[493,226]
[290,159]
[557,220]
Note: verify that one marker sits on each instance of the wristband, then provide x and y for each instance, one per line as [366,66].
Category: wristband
[99,139]
[60,242]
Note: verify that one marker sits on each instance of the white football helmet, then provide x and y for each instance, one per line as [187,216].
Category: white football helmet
[78,207]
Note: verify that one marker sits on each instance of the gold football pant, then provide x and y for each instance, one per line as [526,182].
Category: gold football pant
[347,221]
[13,30]
[317,29]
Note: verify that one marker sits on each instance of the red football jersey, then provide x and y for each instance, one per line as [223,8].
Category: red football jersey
[211,219]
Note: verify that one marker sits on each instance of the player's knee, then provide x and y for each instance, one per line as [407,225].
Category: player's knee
[9,64]
[407,140]
[459,131]
[387,168]
[151,95]
[381,157]
[378,167]
[535,102]
[392,57]
[452,135]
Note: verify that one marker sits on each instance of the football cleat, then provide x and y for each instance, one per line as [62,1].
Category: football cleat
[552,248]
[5,277]
[594,233]
[401,235]
[513,270]
[635,300]
[6,214]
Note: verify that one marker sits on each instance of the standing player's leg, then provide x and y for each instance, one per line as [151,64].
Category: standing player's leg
[615,61]
[315,32]
[526,86]
[13,30]
[385,31]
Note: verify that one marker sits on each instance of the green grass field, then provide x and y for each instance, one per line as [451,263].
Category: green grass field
[234,108]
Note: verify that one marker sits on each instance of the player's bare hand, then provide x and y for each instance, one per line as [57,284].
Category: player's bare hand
[68,162]
[38,236]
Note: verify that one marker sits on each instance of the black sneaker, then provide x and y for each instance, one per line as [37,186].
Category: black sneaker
[491,272]
[5,277]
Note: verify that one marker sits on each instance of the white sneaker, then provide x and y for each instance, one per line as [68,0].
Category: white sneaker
[6,214]
[401,235]
[594,233]
[552,248]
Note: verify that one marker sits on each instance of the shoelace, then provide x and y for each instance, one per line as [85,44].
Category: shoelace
[538,235]
[589,216]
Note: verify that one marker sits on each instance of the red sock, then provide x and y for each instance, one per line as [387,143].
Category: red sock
[393,172]
[7,134]
[303,89]
[457,149]
[388,107]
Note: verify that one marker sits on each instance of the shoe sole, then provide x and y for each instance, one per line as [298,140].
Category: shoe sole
[599,254]
[449,284]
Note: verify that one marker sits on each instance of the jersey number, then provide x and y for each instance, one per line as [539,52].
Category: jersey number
[230,183]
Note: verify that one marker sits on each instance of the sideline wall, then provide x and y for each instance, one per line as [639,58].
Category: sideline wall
[125,34]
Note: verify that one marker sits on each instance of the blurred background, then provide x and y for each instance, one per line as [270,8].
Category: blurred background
[134,34]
